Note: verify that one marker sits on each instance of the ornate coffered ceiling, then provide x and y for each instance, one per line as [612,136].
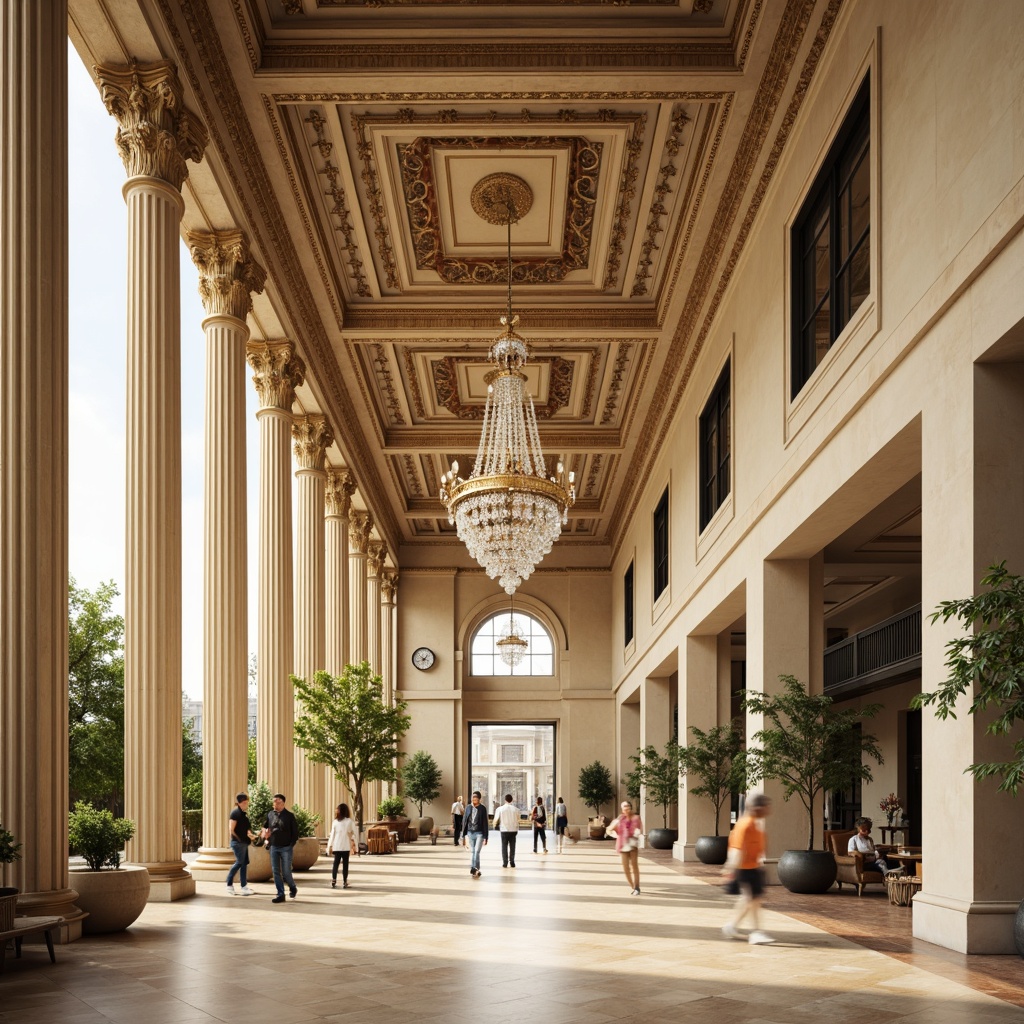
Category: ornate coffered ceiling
[346,138]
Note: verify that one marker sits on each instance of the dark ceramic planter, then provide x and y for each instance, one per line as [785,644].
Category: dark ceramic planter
[807,871]
[712,849]
[662,838]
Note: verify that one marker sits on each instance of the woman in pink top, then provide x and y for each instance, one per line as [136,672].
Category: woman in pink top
[627,829]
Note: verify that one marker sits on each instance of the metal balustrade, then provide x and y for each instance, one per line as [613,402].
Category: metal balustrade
[875,655]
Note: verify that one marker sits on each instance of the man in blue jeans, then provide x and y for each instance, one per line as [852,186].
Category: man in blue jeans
[281,831]
[474,832]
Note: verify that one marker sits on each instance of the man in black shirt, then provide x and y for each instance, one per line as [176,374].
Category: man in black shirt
[281,831]
[474,832]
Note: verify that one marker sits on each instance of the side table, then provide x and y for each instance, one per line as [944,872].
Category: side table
[901,889]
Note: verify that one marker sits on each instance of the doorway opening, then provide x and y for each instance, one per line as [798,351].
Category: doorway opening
[516,758]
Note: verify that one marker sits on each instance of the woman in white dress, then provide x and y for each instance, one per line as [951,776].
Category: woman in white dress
[341,843]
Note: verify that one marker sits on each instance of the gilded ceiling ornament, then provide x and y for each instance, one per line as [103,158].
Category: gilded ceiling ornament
[382,371]
[228,276]
[359,526]
[375,199]
[501,198]
[156,134]
[703,6]
[376,556]
[615,386]
[338,490]
[292,6]
[311,437]
[319,123]
[595,468]
[277,372]
[627,189]
[412,480]
[446,386]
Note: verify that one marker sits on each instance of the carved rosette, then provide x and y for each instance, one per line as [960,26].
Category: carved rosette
[311,437]
[228,275]
[376,556]
[359,526]
[338,491]
[388,586]
[277,372]
[156,134]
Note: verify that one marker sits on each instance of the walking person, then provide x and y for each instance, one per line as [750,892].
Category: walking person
[506,820]
[474,835]
[561,823]
[281,831]
[458,812]
[539,815]
[342,843]
[747,845]
[627,829]
[239,836]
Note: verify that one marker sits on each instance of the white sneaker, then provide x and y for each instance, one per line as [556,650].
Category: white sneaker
[545,851]
[730,932]
[231,890]
[759,938]
[246,891]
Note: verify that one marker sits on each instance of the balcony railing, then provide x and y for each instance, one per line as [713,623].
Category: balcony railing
[875,657]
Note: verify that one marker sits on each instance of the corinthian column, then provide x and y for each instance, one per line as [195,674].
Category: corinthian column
[34,457]
[312,437]
[228,277]
[376,554]
[155,137]
[277,372]
[388,589]
[359,526]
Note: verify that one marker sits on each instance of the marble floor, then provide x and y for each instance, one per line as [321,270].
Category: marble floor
[558,939]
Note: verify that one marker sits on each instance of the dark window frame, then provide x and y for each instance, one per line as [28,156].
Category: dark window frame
[627,606]
[716,456]
[826,211]
[661,548]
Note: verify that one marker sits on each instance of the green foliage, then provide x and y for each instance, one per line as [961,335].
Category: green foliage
[659,775]
[251,780]
[808,745]
[95,696]
[421,779]
[717,760]
[346,725]
[988,662]
[631,780]
[97,835]
[191,768]
[261,803]
[391,807]
[10,851]
[595,785]
[307,821]
[192,829]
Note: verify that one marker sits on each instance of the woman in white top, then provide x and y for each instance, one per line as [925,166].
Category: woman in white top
[561,822]
[341,843]
[863,843]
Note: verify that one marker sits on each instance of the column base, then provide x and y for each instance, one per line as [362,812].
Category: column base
[212,864]
[169,881]
[56,902]
[963,925]
[686,852]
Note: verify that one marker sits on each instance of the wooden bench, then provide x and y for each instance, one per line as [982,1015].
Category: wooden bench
[29,926]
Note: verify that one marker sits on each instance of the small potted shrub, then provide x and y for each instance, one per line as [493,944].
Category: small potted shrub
[391,807]
[113,895]
[10,851]
[714,766]
[307,849]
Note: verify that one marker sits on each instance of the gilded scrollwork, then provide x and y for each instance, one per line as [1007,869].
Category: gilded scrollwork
[386,382]
[446,386]
[627,190]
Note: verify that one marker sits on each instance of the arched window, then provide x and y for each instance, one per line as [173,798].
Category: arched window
[485,655]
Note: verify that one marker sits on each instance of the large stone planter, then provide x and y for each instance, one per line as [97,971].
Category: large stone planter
[712,849]
[113,898]
[306,854]
[426,825]
[807,871]
[661,838]
[259,864]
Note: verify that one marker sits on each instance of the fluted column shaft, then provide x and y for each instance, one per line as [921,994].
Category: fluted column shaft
[226,282]
[277,372]
[388,589]
[312,437]
[374,569]
[155,137]
[359,538]
[33,455]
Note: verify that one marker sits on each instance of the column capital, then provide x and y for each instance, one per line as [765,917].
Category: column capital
[228,275]
[338,492]
[277,372]
[156,134]
[359,526]
[388,586]
[311,437]
[376,555]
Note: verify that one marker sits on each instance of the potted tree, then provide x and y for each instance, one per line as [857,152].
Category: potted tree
[595,788]
[113,895]
[307,849]
[10,851]
[714,760]
[659,775]
[987,663]
[421,781]
[810,747]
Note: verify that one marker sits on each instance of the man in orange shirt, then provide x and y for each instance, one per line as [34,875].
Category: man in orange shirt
[747,843]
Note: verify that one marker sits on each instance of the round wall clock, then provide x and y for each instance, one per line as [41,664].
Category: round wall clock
[423,658]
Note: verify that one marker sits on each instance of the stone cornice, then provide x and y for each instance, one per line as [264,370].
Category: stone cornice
[277,372]
[311,436]
[359,526]
[338,492]
[156,134]
[228,275]
[376,555]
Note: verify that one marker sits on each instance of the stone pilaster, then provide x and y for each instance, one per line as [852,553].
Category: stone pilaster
[698,706]
[359,526]
[277,371]
[228,277]
[33,457]
[388,591]
[655,730]
[156,135]
[312,437]
[376,554]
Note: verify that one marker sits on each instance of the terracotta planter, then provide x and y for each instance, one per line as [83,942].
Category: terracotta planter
[113,898]
[306,854]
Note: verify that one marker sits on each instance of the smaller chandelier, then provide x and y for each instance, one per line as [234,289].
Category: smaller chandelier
[508,512]
[512,647]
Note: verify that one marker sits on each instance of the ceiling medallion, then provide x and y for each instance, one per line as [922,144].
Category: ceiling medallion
[507,513]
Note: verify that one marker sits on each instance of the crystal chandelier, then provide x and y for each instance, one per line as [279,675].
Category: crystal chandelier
[512,647]
[508,513]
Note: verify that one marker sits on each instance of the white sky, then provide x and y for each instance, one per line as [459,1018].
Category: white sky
[97,271]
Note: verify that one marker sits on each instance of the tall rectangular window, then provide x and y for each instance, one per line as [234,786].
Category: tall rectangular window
[661,545]
[831,271]
[627,606]
[715,448]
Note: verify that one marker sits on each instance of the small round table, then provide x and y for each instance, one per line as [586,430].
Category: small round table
[889,832]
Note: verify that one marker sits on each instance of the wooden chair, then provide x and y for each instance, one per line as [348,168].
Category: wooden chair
[378,839]
[850,866]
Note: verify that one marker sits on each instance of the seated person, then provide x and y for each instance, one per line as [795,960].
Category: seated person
[863,843]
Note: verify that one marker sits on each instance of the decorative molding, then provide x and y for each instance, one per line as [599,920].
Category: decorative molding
[156,134]
[412,480]
[277,372]
[311,437]
[382,371]
[375,200]
[595,468]
[376,556]
[627,189]
[359,526]
[703,6]
[338,490]
[446,386]
[228,276]
[292,6]
[615,385]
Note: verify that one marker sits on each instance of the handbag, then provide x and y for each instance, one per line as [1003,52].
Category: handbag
[629,843]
